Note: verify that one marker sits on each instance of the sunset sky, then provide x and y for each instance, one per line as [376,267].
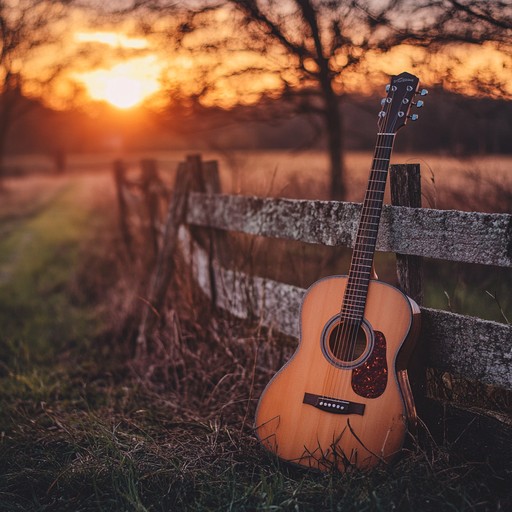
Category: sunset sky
[127,81]
[118,65]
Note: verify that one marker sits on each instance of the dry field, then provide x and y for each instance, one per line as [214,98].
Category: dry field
[86,427]
[479,183]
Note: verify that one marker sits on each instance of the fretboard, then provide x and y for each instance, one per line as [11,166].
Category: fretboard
[359,275]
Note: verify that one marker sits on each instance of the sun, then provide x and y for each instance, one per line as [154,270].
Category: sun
[123,92]
[124,85]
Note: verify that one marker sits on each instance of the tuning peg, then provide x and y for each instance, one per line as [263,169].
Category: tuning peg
[419,103]
[383,101]
[414,117]
[388,87]
[423,92]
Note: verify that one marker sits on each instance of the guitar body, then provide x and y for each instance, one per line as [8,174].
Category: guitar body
[325,408]
[344,399]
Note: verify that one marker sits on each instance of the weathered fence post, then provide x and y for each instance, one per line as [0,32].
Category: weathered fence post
[149,182]
[192,175]
[406,191]
[206,179]
[405,183]
[119,170]
[165,262]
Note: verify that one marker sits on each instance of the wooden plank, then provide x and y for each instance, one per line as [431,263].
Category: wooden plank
[477,349]
[473,348]
[405,183]
[477,434]
[443,234]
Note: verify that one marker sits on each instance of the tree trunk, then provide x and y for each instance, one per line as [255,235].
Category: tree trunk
[332,114]
[334,128]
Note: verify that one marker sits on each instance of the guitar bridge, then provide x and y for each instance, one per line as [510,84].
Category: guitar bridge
[333,405]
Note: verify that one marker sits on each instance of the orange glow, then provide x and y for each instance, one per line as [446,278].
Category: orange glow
[124,85]
[134,69]
[130,79]
[113,39]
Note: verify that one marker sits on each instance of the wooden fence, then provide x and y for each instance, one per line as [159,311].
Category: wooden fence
[469,347]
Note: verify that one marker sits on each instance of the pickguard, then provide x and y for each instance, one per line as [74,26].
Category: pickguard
[369,380]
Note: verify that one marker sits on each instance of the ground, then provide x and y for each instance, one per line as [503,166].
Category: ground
[85,426]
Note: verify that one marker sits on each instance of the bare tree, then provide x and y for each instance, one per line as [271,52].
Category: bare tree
[26,27]
[318,43]
[444,25]
[303,51]
[467,21]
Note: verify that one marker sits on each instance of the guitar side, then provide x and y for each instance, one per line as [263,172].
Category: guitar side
[354,424]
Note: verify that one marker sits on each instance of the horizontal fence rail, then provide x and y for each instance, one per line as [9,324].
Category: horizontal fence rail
[443,234]
[470,347]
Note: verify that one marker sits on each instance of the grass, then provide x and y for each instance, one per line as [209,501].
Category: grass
[38,254]
[87,438]
[84,427]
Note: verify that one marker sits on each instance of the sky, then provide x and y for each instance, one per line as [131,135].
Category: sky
[124,67]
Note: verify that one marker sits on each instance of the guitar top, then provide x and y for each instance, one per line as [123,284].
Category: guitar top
[343,399]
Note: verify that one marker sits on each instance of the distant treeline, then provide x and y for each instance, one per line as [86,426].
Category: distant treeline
[449,123]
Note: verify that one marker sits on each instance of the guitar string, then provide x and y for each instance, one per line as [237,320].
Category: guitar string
[364,250]
[361,265]
[375,193]
[347,336]
[345,328]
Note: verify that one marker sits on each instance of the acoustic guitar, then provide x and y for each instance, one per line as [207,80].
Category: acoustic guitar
[344,399]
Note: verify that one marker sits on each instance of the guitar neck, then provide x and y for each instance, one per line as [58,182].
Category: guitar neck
[360,271]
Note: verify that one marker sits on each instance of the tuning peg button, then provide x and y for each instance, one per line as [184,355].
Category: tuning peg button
[388,87]
[419,103]
[423,92]
[414,117]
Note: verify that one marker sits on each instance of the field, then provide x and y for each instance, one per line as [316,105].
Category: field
[84,426]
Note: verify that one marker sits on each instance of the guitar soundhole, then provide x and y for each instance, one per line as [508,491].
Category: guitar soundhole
[347,342]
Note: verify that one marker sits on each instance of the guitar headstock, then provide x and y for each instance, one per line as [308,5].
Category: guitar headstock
[396,106]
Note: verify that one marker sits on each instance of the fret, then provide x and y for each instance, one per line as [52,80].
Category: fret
[362,252]
[367,265]
[371,212]
[370,237]
[364,271]
[348,316]
[360,275]
[355,309]
[354,299]
[371,216]
[373,207]
[369,258]
[367,255]
[358,293]
[361,243]
[353,314]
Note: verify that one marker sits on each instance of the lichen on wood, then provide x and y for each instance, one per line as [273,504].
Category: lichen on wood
[471,347]
[443,234]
